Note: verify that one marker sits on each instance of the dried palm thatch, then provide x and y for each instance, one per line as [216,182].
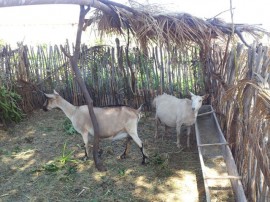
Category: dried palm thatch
[255,121]
[151,25]
[261,104]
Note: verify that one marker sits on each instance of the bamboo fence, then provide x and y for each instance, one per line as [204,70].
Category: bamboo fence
[113,75]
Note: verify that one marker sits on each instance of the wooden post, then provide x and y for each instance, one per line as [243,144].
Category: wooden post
[89,101]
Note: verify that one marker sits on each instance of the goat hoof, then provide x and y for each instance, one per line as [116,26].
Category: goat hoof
[145,163]
[100,152]
[85,158]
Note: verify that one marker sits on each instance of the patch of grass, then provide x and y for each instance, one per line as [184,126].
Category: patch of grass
[5,152]
[157,159]
[161,164]
[51,167]
[46,129]
[65,163]
[16,149]
[36,169]
[71,169]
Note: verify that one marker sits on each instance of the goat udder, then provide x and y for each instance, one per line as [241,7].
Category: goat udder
[120,136]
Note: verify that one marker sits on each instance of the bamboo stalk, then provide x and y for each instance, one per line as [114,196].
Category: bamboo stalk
[213,144]
[223,177]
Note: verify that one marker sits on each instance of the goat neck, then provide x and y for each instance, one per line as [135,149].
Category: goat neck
[195,112]
[66,107]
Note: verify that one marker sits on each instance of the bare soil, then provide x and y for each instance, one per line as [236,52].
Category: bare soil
[40,162]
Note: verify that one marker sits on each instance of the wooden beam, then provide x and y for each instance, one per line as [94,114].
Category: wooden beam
[223,177]
[213,144]
[202,114]
[92,3]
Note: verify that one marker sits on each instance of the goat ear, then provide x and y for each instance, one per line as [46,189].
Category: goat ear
[49,95]
[54,91]
[205,96]
[190,93]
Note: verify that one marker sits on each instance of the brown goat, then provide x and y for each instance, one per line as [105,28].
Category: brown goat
[114,122]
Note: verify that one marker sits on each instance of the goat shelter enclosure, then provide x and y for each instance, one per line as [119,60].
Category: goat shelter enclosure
[237,98]
[159,53]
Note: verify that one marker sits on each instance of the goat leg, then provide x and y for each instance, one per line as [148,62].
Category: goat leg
[167,134]
[144,155]
[100,152]
[86,149]
[137,140]
[178,131]
[86,157]
[157,123]
[85,153]
[188,136]
[123,156]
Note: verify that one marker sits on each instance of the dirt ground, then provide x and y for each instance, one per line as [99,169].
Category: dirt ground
[40,162]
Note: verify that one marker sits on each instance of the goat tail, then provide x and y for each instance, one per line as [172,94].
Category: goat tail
[154,103]
[140,108]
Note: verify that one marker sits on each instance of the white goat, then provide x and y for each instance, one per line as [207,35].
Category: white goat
[114,122]
[174,112]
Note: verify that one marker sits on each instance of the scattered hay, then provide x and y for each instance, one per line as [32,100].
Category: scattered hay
[32,166]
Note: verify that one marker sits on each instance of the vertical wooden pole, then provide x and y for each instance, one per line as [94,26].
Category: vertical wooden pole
[162,70]
[89,101]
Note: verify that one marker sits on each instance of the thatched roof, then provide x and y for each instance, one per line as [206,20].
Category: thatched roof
[178,29]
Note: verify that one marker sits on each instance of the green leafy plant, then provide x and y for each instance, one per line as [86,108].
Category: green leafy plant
[64,162]
[122,172]
[71,170]
[66,156]
[9,108]
[68,127]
